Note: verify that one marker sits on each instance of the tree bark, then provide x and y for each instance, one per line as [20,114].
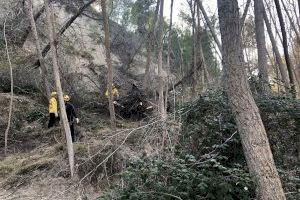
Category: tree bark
[43,69]
[59,88]
[11,90]
[276,51]
[245,14]
[251,129]
[286,50]
[291,22]
[27,30]
[169,52]
[161,105]
[261,47]
[211,28]
[268,7]
[201,60]
[150,40]
[195,42]
[109,66]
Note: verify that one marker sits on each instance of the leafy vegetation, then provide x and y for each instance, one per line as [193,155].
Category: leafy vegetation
[182,177]
[210,163]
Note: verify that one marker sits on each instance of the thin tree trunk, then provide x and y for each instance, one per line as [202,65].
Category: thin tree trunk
[59,89]
[109,65]
[43,69]
[211,28]
[201,60]
[11,90]
[168,56]
[27,30]
[261,47]
[242,21]
[273,21]
[276,52]
[150,44]
[195,42]
[160,62]
[285,48]
[291,22]
[299,7]
[251,129]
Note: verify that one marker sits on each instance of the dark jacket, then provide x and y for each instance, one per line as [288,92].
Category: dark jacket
[71,114]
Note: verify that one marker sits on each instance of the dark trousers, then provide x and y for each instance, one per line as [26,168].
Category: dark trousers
[51,120]
[72,132]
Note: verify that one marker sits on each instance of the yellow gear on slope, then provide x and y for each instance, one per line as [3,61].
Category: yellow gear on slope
[115,92]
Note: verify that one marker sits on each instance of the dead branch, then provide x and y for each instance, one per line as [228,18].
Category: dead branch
[11,89]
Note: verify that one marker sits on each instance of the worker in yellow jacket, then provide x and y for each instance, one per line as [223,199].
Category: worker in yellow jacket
[52,109]
[115,92]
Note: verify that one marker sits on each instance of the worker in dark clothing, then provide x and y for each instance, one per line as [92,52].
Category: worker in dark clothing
[71,115]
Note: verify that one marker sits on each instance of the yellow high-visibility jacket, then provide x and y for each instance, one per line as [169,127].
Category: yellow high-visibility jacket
[52,105]
[115,92]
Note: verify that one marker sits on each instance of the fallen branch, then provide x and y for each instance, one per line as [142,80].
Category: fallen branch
[185,78]
[11,89]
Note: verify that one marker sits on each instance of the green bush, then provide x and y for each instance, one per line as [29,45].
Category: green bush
[182,178]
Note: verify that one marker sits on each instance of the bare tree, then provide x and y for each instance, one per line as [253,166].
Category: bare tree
[286,49]
[109,65]
[200,56]
[59,88]
[251,129]
[242,21]
[192,5]
[261,47]
[276,52]
[11,90]
[161,106]
[43,69]
[150,45]
[291,21]
[210,26]
[169,52]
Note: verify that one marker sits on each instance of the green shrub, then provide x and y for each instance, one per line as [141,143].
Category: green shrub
[182,178]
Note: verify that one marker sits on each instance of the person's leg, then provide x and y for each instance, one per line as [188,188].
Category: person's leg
[51,120]
[72,132]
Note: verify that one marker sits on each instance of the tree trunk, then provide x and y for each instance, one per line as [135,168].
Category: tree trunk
[286,50]
[27,30]
[299,7]
[261,47]
[201,60]
[273,21]
[150,40]
[109,65]
[59,88]
[11,90]
[291,22]
[169,52]
[212,30]
[276,52]
[161,86]
[43,69]
[245,14]
[195,42]
[251,129]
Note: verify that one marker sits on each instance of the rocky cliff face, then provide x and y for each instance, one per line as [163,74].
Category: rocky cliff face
[81,53]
